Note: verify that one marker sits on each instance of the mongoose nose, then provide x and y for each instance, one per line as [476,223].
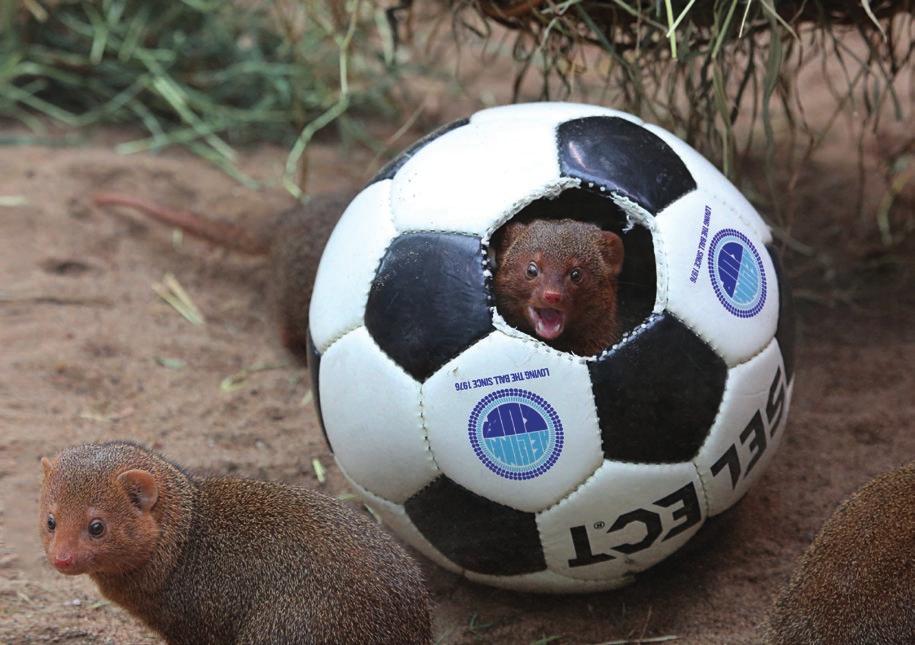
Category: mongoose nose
[552,297]
[63,561]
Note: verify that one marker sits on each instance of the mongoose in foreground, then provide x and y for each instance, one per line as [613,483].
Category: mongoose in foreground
[855,585]
[557,279]
[221,561]
[292,240]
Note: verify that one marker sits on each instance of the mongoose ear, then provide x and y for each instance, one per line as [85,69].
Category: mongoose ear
[47,466]
[141,486]
[506,237]
[611,247]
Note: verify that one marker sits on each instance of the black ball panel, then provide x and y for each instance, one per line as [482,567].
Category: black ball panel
[390,169]
[785,330]
[657,394]
[428,302]
[475,533]
[625,158]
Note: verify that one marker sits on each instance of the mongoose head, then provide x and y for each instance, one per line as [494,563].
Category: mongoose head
[556,277]
[97,509]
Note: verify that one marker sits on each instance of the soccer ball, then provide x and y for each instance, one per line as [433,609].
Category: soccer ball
[497,456]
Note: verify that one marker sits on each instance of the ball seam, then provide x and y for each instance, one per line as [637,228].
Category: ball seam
[425,428]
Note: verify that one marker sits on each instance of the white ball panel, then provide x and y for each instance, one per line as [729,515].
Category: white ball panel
[742,440]
[473,178]
[345,276]
[563,382]
[548,582]
[395,517]
[623,519]
[710,180]
[687,240]
[548,112]
[372,415]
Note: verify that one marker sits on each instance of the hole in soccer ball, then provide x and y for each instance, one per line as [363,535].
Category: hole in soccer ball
[560,316]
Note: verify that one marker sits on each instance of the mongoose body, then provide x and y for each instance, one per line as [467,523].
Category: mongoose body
[855,585]
[557,280]
[292,240]
[221,561]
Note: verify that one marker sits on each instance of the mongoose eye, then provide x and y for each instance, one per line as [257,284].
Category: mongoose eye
[52,523]
[96,528]
[532,270]
[575,274]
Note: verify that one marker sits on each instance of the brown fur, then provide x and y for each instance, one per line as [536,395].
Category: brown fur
[855,585]
[293,241]
[224,560]
[557,247]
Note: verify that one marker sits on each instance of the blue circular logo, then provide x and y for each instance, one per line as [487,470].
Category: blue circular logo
[515,433]
[737,273]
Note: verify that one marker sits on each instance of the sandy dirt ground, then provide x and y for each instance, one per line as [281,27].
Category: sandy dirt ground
[89,352]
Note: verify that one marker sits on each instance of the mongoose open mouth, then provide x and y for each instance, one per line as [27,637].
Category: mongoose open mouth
[548,323]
